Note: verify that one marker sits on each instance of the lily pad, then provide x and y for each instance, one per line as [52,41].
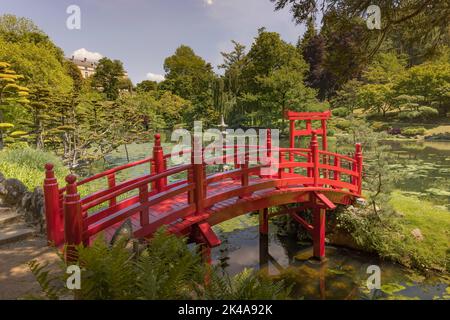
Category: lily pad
[392,288]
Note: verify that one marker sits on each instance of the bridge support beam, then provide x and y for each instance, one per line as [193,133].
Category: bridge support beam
[319,233]
[263,251]
[264,221]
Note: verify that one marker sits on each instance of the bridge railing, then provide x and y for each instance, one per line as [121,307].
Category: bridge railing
[70,218]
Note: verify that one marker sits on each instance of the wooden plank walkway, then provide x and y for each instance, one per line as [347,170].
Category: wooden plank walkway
[180,202]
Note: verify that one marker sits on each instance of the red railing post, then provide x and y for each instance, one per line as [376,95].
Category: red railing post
[268,152]
[269,145]
[143,198]
[158,158]
[309,170]
[112,183]
[53,217]
[244,173]
[359,166]
[337,164]
[280,162]
[198,176]
[73,220]
[292,144]
[315,158]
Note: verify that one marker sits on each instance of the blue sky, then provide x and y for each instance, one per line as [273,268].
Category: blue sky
[142,33]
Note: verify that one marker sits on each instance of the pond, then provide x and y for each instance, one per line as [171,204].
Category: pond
[424,171]
[342,276]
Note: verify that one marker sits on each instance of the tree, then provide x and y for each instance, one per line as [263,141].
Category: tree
[74,72]
[40,102]
[187,75]
[348,96]
[191,78]
[10,93]
[107,76]
[430,81]
[283,89]
[147,86]
[423,16]
[272,80]
[233,63]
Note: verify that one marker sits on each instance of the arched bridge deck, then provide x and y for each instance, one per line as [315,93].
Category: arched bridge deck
[189,201]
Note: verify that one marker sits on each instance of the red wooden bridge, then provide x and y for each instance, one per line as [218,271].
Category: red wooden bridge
[307,179]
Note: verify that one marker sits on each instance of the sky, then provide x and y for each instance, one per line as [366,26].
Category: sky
[142,33]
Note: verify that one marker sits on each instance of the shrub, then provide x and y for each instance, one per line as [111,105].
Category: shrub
[343,124]
[166,269]
[27,165]
[380,126]
[428,112]
[409,132]
[424,113]
[341,112]
[408,115]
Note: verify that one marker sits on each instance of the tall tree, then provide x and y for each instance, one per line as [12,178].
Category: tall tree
[425,15]
[10,93]
[147,86]
[107,76]
[191,77]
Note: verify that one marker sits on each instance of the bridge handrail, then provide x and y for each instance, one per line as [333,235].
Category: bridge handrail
[75,209]
[121,189]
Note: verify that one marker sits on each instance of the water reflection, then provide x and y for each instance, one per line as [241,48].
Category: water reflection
[342,276]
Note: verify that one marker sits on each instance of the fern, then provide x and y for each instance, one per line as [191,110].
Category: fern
[247,285]
[167,269]
[50,285]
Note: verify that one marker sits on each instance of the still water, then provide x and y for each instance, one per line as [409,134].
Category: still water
[423,169]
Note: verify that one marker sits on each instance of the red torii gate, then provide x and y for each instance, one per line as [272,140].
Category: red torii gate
[293,116]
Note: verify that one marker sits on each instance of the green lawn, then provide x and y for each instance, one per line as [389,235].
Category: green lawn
[434,224]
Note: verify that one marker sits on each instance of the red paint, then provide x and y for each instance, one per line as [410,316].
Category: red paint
[53,217]
[319,233]
[193,205]
[73,219]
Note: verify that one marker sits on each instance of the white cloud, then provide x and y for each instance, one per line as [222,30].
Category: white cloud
[155,77]
[83,53]
[209,2]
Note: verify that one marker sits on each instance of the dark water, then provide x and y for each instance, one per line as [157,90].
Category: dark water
[423,169]
[342,276]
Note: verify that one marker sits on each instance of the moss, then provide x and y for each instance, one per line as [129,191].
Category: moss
[391,288]
[241,222]
[434,224]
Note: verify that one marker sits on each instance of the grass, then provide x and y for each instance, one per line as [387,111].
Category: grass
[439,130]
[434,223]
[27,165]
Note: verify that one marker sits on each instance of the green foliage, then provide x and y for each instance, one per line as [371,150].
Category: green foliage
[379,126]
[27,165]
[388,231]
[191,78]
[414,131]
[40,63]
[147,86]
[107,76]
[166,269]
[341,112]
[244,286]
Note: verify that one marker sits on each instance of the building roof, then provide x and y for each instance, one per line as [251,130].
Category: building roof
[83,63]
